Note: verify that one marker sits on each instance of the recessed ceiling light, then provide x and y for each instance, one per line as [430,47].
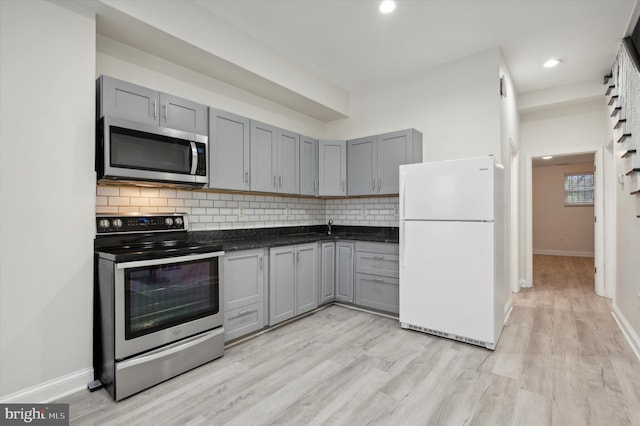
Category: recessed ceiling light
[552,63]
[547,157]
[387,6]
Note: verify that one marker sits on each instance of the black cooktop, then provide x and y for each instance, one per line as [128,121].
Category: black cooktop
[134,237]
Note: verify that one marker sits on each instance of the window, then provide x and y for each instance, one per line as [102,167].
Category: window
[578,189]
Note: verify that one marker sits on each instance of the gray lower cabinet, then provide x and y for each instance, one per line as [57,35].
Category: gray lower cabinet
[126,100]
[377,292]
[229,151]
[376,279]
[243,279]
[344,272]
[293,277]
[327,272]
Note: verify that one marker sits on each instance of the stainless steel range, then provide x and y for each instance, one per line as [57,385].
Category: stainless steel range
[157,301]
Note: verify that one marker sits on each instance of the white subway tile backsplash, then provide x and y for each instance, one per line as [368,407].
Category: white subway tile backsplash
[213,211]
[129,191]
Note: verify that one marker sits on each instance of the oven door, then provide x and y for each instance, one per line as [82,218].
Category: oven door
[161,301]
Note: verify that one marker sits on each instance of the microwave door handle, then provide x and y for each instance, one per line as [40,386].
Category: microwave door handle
[194,158]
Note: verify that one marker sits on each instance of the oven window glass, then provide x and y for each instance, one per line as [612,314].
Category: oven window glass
[162,296]
[132,149]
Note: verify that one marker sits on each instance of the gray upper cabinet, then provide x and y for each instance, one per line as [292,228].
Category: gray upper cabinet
[263,143]
[308,166]
[344,271]
[122,99]
[287,165]
[293,281]
[274,159]
[332,168]
[182,114]
[362,165]
[374,161]
[229,155]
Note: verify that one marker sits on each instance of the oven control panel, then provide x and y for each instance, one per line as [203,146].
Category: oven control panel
[110,224]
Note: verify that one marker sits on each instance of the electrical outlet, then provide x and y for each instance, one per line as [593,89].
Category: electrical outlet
[241,211]
[395,211]
[364,212]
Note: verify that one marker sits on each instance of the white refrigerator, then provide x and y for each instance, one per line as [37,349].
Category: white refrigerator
[452,280]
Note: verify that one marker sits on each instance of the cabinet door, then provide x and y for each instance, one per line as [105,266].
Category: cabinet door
[182,114]
[229,140]
[306,278]
[287,154]
[263,172]
[243,279]
[344,272]
[129,101]
[394,149]
[332,167]
[308,166]
[362,165]
[328,272]
[282,273]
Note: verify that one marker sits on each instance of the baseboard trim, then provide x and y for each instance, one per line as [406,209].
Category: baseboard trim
[565,253]
[53,389]
[627,330]
[524,283]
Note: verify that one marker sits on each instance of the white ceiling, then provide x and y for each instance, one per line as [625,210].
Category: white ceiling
[351,44]
[558,160]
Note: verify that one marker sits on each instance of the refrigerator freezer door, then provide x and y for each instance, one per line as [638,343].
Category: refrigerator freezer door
[448,190]
[446,277]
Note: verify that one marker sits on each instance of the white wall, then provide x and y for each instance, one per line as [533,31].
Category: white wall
[558,229]
[559,129]
[47,197]
[456,106]
[127,63]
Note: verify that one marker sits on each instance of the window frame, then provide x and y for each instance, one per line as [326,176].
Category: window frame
[579,189]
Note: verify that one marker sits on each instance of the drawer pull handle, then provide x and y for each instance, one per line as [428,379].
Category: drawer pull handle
[378,280]
[247,311]
[378,257]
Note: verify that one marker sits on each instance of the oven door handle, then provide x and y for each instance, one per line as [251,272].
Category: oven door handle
[168,351]
[168,260]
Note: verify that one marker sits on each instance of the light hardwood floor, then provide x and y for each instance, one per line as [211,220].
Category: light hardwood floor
[561,361]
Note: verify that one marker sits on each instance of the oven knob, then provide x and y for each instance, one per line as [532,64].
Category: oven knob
[178,221]
[168,221]
[104,223]
[117,223]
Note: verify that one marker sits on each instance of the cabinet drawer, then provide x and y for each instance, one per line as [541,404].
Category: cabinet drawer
[386,265]
[378,248]
[377,292]
[242,321]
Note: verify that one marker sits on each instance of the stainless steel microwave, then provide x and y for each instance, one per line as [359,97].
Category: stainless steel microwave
[132,152]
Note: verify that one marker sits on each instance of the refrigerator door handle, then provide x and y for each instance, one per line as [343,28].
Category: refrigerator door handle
[402,249]
[402,197]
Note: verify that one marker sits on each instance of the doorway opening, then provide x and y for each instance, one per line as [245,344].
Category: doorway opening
[563,192]
[565,221]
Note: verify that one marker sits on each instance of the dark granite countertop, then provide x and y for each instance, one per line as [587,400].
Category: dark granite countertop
[244,239]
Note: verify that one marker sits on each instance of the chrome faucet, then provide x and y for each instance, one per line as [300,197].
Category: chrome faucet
[329,225]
